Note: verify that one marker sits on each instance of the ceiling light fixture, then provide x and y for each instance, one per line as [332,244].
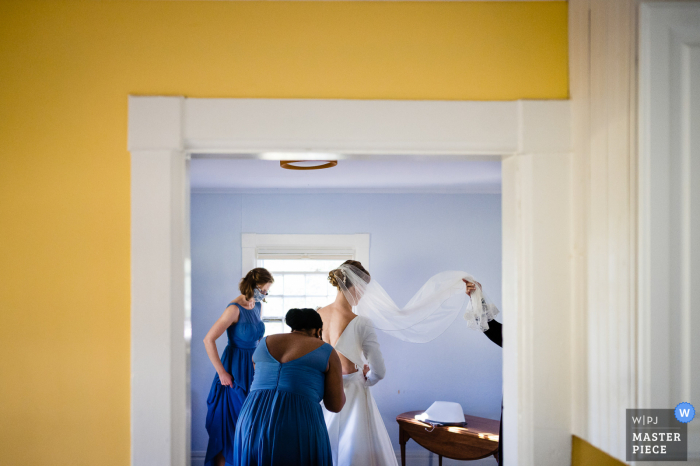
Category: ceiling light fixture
[307,164]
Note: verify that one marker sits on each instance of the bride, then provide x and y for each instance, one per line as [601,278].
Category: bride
[357,433]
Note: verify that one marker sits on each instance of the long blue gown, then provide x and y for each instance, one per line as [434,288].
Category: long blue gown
[224,403]
[281,423]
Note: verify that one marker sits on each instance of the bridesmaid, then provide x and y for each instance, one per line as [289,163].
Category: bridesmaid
[234,371]
[281,423]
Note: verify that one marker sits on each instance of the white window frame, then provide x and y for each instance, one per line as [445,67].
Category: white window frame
[253,244]
[532,138]
[301,246]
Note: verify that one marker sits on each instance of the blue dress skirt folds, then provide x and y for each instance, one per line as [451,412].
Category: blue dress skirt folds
[225,403]
[281,423]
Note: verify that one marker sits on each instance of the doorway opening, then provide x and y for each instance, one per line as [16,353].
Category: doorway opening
[405,218]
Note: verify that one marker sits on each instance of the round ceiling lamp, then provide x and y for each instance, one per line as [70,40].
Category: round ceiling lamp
[307,164]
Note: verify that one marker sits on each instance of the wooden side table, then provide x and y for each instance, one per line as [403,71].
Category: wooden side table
[477,440]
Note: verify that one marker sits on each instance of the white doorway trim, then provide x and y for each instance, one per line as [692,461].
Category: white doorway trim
[531,137]
[669,211]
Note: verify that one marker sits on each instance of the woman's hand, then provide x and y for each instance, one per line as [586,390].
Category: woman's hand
[226,379]
[365,370]
[471,286]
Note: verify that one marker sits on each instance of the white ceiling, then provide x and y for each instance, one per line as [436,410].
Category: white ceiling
[392,175]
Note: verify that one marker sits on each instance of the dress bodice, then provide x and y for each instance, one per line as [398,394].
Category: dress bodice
[359,344]
[248,330]
[303,376]
[349,343]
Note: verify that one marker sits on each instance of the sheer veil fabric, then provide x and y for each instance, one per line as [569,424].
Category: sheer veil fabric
[429,312]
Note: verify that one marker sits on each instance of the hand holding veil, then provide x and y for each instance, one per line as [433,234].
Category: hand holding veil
[427,315]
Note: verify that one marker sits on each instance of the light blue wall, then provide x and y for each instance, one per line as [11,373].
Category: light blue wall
[413,236]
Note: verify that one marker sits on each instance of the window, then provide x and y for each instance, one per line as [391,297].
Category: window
[298,283]
[300,265]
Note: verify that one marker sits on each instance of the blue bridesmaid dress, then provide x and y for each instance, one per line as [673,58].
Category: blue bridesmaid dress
[224,403]
[281,423]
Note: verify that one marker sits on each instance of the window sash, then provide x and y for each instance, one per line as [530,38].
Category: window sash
[287,254]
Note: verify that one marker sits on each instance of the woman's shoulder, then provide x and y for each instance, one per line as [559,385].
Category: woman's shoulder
[275,338]
[238,303]
[364,328]
[363,321]
[325,311]
[326,349]
[324,345]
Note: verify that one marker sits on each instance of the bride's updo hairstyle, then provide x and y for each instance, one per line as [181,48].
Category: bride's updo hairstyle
[336,276]
[303,319]
[253,279]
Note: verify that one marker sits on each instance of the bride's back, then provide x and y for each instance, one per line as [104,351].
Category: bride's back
[335,321]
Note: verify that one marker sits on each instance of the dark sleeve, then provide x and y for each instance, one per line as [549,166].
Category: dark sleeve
[494,333]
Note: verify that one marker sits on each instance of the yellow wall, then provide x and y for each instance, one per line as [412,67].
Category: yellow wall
[585,454]
[66,69]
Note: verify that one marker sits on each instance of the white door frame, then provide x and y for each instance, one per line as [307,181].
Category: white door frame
[669,211]
[532,138]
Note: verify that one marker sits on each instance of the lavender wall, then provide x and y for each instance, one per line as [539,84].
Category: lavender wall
[413,236]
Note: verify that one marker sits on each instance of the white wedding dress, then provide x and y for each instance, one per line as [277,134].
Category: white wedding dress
[357,433]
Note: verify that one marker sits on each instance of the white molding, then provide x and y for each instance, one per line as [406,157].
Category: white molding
[160,310]
[262,125]
[536,289]
[603,48]
[466,190]
[155,123]
[669,212]
[163,131]
[253,126]
[544,126]
[198,458]
[252,243]
[579,84]
[160,267]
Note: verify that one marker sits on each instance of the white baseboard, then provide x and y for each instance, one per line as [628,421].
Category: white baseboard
[198,458]
[413,458]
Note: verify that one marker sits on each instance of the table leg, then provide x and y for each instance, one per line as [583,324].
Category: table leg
[403,438]
[439,460]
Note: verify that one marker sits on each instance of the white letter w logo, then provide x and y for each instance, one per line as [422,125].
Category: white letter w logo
[684,412]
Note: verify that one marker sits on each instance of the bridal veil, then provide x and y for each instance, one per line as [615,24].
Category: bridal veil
[427,315]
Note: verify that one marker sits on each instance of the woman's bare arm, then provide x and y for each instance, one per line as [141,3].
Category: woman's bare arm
[230,316]
[334,395]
